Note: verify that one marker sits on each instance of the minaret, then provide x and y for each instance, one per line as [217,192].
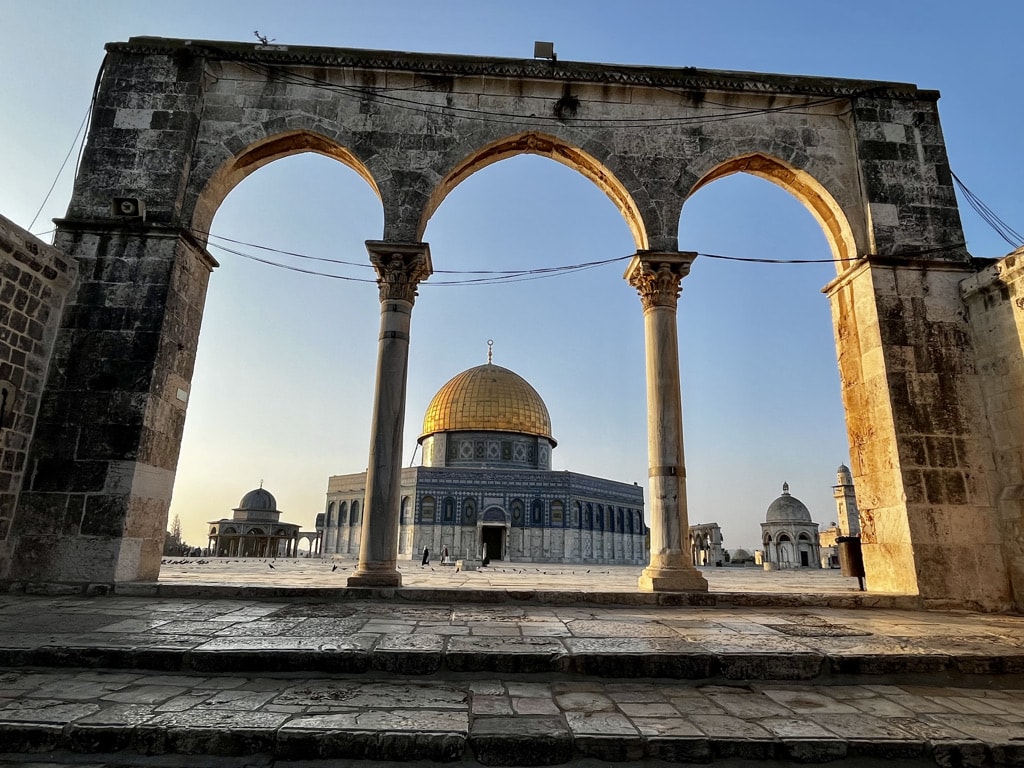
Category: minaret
[846,503]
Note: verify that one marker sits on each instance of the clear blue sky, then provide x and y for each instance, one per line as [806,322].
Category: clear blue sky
[284,379]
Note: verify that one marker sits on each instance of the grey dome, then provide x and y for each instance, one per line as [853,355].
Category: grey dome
[259,500]
[787,509]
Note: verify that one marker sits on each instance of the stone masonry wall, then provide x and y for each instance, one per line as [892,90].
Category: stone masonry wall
[995,305]
[110,422]
[903,157]
[36,280]
[919,440]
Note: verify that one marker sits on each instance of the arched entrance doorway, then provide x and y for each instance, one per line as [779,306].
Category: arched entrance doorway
[492,537]
[494,525]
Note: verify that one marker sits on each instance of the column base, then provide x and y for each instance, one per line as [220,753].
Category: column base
[672,580]
[390,578]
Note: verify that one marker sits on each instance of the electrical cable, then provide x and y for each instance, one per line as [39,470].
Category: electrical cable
[60,170]
[1004,230]
[495,277]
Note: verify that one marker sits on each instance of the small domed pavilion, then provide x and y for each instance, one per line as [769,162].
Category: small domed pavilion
[789,537]
[254,529]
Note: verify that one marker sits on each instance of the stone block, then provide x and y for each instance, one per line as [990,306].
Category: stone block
[512,741]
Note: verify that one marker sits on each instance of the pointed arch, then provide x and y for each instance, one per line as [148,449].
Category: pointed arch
[258,154]
[805,188]
[534,143]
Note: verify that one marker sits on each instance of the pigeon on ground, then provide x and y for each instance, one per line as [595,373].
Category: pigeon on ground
[271,566]
[334,568]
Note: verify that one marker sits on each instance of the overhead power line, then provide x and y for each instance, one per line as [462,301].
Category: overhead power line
[60,170]
[1004,230]
[501,276]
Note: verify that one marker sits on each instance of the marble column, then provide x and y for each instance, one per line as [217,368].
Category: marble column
[657,277]
[400,268]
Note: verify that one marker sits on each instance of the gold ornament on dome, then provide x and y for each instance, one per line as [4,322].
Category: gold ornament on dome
[487,398]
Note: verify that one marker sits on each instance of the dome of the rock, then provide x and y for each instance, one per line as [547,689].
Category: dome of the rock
[487,398]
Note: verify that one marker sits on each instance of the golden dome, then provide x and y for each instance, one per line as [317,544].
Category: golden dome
[488,398]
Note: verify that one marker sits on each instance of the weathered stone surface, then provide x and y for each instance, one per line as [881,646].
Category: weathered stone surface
[520,741]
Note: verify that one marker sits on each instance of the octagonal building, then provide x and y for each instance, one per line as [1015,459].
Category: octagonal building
[486,480]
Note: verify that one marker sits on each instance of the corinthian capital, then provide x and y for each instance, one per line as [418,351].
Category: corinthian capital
[400,268]
[657,276]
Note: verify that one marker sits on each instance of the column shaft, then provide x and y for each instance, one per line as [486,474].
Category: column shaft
[400,267]
[657,278]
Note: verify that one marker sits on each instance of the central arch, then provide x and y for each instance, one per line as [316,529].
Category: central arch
[534,143]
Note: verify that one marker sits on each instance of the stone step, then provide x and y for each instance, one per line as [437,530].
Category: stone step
[272,682]
[500,720]
[426,655]
[421,639]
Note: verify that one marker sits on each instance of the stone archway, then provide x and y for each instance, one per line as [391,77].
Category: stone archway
[534,143]
[804,187]
[176,122]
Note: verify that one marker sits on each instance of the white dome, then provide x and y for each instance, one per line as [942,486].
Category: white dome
[787,509]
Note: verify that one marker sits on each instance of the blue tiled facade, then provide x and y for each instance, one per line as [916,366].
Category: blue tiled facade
[541,516]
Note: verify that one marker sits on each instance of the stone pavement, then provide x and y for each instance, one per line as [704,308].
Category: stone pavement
[129,679]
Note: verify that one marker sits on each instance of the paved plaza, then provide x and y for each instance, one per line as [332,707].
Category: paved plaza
[314,572]
[322,677]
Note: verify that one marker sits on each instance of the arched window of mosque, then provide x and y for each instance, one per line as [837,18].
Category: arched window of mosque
[767,538]
[557,514]
[783,537]
[343,513]
[449,509]
[257,532]
[355,513]
[517,511]
[213,531]
[427,507]
[628,522]
[403,515]
[588,517]
[599,518]
[804,537]
[577,513]
[620,523]
[468,511]
[330,514]
[538,512]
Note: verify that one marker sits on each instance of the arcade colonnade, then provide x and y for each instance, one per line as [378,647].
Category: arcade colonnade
[657,277]
[176,124]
